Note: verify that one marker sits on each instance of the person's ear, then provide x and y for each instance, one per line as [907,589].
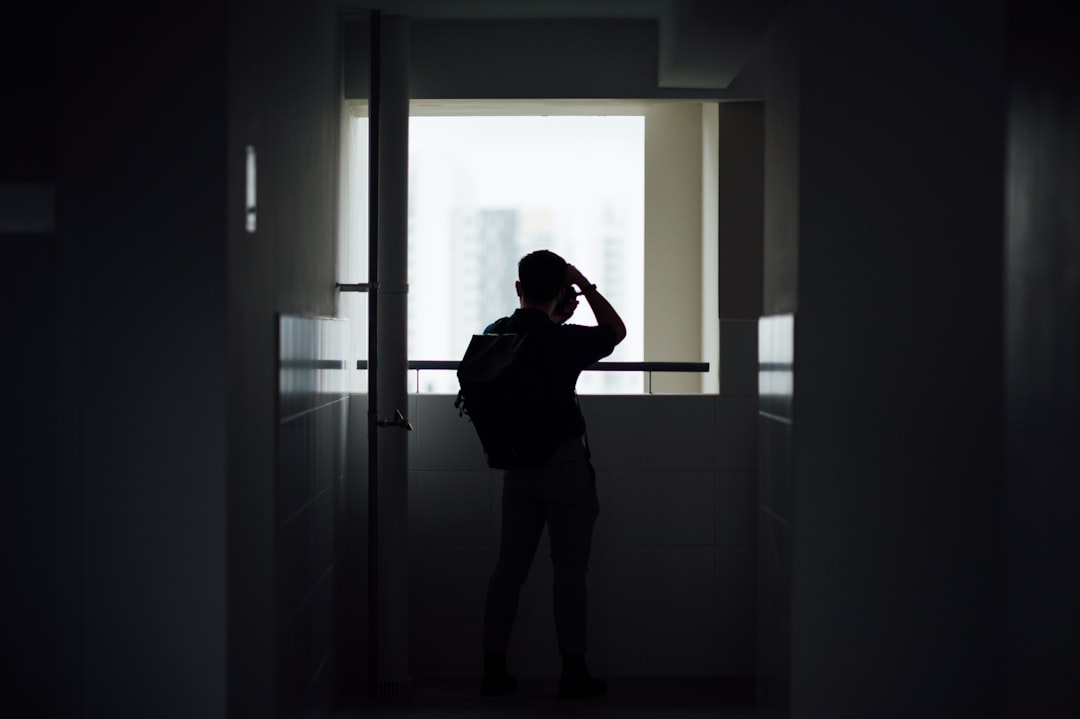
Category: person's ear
[517,287]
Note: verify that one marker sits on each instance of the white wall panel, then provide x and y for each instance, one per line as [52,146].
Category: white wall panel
[672,585]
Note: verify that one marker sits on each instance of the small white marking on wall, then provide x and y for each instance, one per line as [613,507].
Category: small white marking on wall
[249,191]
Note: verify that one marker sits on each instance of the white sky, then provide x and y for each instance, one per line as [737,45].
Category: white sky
[528,157]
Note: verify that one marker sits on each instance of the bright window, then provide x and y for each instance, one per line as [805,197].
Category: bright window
[484,191]
[626,193]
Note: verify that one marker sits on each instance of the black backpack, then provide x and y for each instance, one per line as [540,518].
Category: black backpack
[507,394]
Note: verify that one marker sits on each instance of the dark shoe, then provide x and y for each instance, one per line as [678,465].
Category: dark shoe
[494,685]
[581,687]
[576,682]
[496,679]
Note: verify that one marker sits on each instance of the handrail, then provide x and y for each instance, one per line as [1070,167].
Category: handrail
[648,367]
[597,367]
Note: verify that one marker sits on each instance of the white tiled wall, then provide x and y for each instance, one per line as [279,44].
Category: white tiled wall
[308,477]
[672,576]
[354,549]
[773,498]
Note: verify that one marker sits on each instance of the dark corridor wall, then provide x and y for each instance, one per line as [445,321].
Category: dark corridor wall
[284,99]
[884,207]
[37,509]
[142,523]
[898,338]
[1042,357]
[137,557]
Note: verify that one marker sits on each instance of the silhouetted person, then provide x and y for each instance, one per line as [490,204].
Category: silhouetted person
[561,492]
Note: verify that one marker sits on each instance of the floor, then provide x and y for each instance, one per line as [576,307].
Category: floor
[626,699]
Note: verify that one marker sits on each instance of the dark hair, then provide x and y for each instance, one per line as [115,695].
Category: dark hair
[542,274]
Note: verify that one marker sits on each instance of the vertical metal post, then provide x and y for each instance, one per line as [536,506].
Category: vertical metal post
[373,355]
[390,351]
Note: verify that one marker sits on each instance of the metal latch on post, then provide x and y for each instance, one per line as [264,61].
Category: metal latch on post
[358,287]
[399,420]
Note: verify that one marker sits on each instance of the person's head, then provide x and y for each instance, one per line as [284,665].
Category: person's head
[541,277]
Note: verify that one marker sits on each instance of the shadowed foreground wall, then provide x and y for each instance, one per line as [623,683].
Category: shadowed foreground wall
[883,236]
[898,336]
[140,286]
[1042,537]
[778,65]
[285,102]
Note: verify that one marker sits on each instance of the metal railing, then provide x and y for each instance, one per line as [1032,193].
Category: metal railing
[647,367]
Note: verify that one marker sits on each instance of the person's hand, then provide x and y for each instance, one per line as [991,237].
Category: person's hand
[574,277]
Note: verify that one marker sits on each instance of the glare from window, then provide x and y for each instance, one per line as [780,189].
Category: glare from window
[484,191]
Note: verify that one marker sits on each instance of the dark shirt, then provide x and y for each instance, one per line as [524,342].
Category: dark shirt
[565,350]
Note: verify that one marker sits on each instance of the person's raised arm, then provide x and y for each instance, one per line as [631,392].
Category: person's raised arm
[603,311]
